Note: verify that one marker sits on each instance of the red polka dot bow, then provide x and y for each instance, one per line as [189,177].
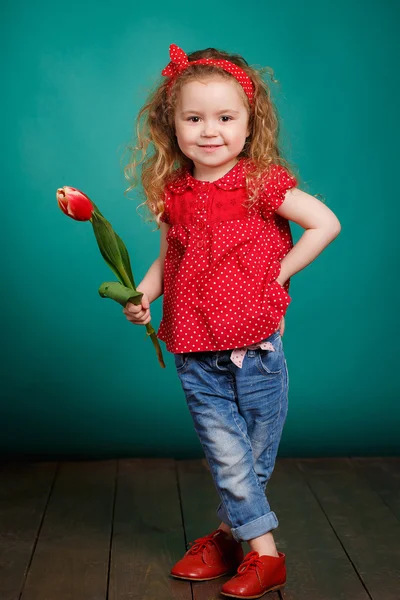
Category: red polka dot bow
[179,62]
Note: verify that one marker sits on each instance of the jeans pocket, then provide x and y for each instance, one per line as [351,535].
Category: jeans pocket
[181,361]
[271,362]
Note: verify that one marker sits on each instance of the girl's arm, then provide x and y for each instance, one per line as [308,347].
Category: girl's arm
[321,224]
[153,282]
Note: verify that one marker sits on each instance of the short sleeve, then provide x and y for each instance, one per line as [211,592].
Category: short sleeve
[279,181]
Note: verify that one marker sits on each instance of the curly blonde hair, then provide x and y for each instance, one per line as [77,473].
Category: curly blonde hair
[157,153]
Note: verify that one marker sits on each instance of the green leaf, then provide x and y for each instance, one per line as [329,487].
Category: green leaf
[125,259]
[120,293]
[108,245]
[112,248]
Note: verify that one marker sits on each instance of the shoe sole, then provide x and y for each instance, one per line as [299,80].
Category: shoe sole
[273,589]
[203,578]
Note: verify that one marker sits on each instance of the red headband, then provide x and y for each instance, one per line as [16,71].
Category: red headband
[180,62]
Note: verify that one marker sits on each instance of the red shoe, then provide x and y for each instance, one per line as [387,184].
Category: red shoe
[210,557]
[257,575]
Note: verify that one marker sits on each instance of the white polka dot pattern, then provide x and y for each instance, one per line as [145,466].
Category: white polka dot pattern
[222,262]
[179,62]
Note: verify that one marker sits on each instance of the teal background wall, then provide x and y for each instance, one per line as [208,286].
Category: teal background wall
[77,378]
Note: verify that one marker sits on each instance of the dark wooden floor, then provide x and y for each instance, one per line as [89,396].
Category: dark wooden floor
[113,529]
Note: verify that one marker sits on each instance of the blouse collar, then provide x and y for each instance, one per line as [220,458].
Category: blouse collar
[232,180]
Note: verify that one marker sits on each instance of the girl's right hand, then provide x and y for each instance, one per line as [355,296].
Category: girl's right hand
[138,314]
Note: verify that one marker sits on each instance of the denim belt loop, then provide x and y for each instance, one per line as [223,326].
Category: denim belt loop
[251,352]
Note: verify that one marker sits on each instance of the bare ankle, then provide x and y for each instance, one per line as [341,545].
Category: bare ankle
[264,544]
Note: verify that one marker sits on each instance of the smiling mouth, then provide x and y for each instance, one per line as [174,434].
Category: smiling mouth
[211,145]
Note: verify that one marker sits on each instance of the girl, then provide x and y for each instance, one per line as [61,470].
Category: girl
[223,197]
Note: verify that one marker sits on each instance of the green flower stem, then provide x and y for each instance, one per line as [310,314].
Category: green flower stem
[149,327]
[124,294]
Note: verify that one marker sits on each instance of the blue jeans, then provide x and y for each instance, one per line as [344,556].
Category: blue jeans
[238,415]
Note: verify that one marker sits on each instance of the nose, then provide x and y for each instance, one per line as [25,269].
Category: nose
[209,129]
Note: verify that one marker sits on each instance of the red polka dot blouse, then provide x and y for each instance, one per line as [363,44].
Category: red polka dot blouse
[222,261]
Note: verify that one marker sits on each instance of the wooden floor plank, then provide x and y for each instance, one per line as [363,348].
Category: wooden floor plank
[317,566]
[24,493]
[366,527]
[72,553]
[383,475]
[148,532]
[339,528]
[199,503]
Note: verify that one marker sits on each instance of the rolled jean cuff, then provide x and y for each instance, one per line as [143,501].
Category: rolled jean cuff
[255,528]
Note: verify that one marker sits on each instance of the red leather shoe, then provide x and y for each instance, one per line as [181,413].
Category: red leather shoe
[209,557]
[257,575]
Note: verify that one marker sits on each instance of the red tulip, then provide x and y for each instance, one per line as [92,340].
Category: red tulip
[75,203]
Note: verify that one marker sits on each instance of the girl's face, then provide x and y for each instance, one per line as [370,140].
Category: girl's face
[211,125]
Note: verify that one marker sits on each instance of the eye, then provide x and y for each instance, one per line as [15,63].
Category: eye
[227,117]
[191,119]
